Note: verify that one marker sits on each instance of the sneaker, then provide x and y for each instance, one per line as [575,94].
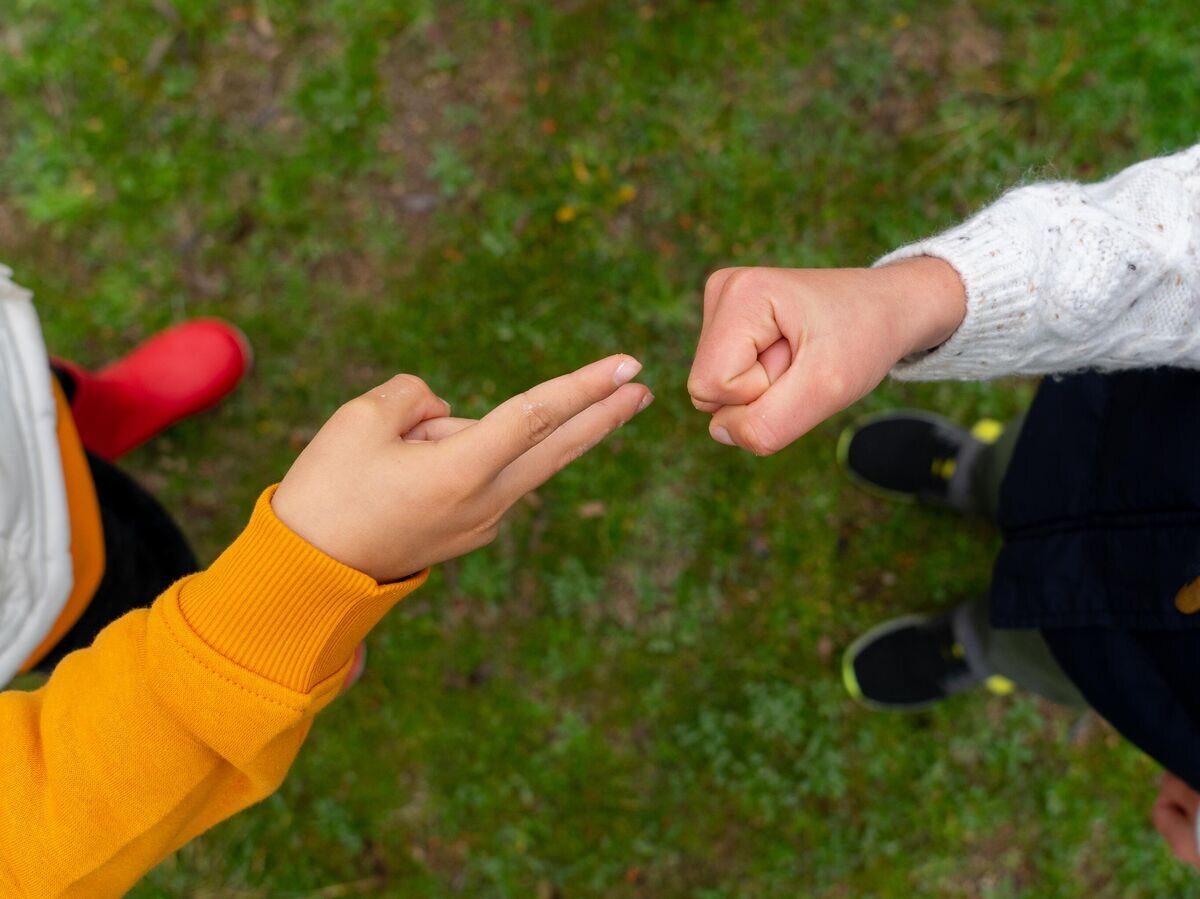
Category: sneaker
[915,456]
[175,374]
[908,664]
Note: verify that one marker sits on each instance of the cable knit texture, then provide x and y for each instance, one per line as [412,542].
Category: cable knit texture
[1062,277]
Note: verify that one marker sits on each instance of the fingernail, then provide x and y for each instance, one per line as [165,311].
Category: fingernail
[721,435]
[646,401]
[626,371]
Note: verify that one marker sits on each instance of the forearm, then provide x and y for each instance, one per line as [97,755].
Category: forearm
[1062,276]
[164,726]
[114,763]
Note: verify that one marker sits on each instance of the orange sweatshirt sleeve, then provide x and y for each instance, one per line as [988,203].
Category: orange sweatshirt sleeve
[179,715]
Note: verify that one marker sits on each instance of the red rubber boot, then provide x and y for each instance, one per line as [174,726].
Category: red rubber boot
[175,374]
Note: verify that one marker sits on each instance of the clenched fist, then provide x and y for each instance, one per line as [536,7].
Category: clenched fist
[781,350]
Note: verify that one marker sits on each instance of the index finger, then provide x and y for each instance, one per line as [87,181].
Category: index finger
[521,423]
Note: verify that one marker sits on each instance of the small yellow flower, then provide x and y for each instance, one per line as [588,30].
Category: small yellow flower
[565,214]
[901,21]
[580,170]
[626,193]
[120,65]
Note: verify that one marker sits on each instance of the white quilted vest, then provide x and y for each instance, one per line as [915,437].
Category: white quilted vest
[35,538]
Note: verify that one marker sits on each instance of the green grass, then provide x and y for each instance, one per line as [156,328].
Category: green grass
[634,693]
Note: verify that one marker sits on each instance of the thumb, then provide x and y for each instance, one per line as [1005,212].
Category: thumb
[774,361]
[438,429]
[803,397]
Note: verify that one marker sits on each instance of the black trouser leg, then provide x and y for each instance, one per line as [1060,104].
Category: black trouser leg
[145,552]
[1022,656]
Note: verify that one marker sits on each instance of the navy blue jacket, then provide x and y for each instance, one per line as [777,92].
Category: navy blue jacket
[1100,511]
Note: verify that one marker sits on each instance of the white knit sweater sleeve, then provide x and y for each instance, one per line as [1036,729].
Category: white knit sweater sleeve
[1063,276]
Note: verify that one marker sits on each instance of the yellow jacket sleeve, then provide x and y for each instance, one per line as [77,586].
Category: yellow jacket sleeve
[179,715]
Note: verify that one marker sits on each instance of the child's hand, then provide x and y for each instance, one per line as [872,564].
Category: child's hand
[783,349]
[390,485]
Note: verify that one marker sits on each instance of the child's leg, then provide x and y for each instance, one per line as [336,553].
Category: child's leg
[912,661]
[172,375]
[145,552]
[987,473]
[1142,683]
[1019,656]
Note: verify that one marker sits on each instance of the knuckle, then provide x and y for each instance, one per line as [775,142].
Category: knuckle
[406,383]
[699,385]
[537,420]
[747,282]
[716,280]
[706,381]
[360,410]
[836,385]
[832,391]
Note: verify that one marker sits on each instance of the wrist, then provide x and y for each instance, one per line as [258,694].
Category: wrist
[282,609]
[929,301]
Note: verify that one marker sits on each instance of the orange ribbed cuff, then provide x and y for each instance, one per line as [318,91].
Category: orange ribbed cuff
[279,607]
